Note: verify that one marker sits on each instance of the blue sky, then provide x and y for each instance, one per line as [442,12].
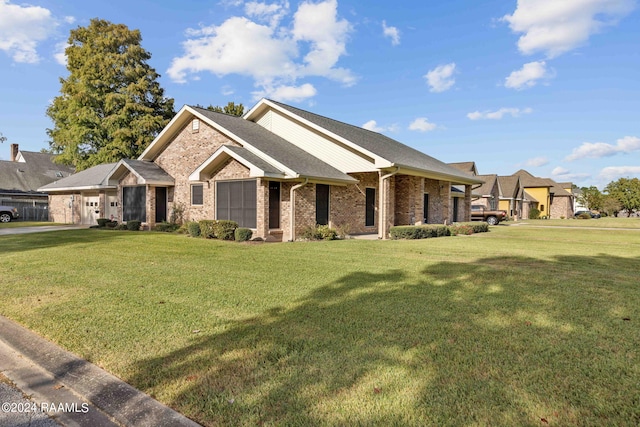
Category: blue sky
[549,86]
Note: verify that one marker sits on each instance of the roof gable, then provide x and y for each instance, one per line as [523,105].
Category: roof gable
[146,173]
[385,152]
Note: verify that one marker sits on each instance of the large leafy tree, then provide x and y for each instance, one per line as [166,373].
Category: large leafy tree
[627,191]
[231,108]
[111,105]
[591,197]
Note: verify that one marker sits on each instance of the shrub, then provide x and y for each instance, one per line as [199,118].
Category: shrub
[464,229]
[133,225]
[121,227]
[319,232]
[112,224]
[194,229]
[243,234]
[414,231]
[102,222]
[207,228]
[166,227]
[225,229]
[584,215]
[177,214]
[534,213]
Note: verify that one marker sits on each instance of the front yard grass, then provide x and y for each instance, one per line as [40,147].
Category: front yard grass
[606,222]
[519,326]
[19,223]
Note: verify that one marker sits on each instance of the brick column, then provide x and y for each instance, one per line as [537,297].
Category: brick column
[467,202]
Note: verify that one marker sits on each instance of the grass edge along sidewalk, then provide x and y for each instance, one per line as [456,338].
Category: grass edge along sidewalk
[507,327]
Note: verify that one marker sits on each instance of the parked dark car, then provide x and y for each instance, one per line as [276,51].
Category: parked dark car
[8,213]
[590,213]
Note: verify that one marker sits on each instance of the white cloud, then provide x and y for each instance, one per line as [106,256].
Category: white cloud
[596,150]
[270,54]
[537,162]
[270,13]
[558,26]
[227,90]
[372,125]
[422,124]
[612,173]
[287,93]
[22,27]
[59,55]
[440,78]
[528,75]
[561,174]
[392,32]
[497,115]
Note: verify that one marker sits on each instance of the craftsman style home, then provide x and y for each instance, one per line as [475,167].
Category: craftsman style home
[277,170]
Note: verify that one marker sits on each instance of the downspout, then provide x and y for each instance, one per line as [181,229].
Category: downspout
[292,209]
[382,216]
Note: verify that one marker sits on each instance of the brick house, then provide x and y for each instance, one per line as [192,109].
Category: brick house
[277,170]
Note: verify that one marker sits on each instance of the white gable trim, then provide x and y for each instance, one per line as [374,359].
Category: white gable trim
[265,103]
[220,156]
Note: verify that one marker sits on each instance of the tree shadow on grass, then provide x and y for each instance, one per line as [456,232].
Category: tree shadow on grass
[510,341]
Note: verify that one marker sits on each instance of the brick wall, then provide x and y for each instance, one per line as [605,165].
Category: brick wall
[561,207]
[59,210]
[186,152]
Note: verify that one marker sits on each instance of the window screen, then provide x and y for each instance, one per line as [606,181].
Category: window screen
[236,201]
[134,202]
[370,203]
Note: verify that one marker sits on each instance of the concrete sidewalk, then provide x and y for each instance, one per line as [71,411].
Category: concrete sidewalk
[71,390]
[39,229]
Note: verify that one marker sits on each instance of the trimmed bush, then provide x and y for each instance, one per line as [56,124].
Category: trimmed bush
[166,227]
[243,234]
[464,229]
[133,225]
[225,229]
[112,224]
[584,215]
[534,213]
[193,228]
[319,232]
[121,227]
[102,222]
[207,228]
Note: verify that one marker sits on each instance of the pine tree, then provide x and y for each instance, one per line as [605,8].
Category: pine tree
[111,105]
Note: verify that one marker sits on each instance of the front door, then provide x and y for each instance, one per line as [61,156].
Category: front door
[274,204]
[425,209]
[161,204]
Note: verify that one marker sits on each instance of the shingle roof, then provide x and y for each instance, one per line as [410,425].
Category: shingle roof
[467,167]
[528,180]
[378,144]
[254,159]
[489,183]
[509,186]
[148,171]
[276,147]
[94,177]
[37,170]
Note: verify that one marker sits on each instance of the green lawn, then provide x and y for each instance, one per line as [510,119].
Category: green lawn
[519,326]
[591,223]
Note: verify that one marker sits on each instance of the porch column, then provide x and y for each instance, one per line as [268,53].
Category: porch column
[262,208]
[467,203]
[446,212]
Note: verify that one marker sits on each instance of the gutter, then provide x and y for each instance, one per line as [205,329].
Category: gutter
[382,216]
[292,209]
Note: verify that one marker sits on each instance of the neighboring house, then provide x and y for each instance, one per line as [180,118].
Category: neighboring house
[546,195]
[21,177]
[277,170]
[486,194]
[512,196]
